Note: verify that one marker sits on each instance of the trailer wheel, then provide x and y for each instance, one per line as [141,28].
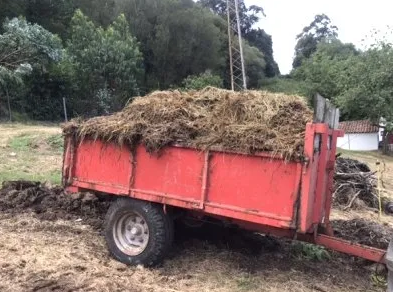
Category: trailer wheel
[138,232]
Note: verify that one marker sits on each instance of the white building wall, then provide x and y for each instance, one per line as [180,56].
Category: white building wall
[361,141]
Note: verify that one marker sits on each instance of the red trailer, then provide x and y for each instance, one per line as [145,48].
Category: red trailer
[261,192]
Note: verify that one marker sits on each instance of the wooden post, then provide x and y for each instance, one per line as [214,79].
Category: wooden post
[325,112]
[319,108]
[9,103]
[65,110]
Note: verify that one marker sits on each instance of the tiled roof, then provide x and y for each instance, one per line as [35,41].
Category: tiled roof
[364,126]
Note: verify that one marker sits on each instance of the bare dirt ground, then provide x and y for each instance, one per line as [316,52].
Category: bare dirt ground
[65,255]
[43,250]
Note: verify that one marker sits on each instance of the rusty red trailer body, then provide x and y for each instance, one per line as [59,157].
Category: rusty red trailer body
[262,192]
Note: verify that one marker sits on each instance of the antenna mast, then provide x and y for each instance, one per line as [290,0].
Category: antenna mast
[236,57]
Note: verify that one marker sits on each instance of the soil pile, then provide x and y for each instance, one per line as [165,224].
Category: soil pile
[247,121]
[50,203]
[364,232]
[354,185]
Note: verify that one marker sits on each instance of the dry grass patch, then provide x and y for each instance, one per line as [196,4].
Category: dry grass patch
[30,152]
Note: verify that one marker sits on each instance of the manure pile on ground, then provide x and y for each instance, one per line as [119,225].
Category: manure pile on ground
[50,203]
[247,121]
[364,232]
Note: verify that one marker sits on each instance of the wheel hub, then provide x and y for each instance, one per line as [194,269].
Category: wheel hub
[135,231]
[131,233]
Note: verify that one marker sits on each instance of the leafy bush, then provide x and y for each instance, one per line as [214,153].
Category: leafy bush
[311,251]
[203,80]
[288,86]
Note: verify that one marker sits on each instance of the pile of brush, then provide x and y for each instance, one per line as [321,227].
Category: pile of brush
[355,185]
[247,121]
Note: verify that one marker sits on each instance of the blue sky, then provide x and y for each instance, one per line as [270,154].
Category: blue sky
[354,19]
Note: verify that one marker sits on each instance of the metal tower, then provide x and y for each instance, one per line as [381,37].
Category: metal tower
[236,58]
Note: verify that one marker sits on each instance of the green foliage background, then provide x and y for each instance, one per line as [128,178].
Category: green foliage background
[111,51]
[99,54]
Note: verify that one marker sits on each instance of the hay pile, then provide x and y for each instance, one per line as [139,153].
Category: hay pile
[248,121]
[355,185]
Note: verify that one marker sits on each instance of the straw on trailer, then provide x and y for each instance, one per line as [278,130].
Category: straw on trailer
[248,121]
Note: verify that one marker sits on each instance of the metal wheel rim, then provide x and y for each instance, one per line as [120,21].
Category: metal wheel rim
[131,233]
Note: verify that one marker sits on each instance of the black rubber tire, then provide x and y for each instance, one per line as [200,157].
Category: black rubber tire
[161,231]
[192,223]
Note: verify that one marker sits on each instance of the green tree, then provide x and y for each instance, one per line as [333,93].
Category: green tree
[255,65]
[11,9]
[326,68]
[368,90]
[45,90]
[23,42]
[178,39]
[248,15]
[24,46]
[102,12]
[319,30]
[201,81]
[359,82]
[257,38]
[367,87]
[107,63]
[54,16]
[288,85]
[263,41]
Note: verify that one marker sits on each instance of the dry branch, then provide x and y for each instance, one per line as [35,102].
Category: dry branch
[354,185]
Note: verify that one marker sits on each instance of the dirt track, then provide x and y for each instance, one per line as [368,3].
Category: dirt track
[60,248]
[69,256]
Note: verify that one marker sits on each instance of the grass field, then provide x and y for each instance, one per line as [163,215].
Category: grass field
[30,152]
[67,255]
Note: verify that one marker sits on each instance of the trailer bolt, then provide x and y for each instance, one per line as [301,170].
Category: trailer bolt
[135,230]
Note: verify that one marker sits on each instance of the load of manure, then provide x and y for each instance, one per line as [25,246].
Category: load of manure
[247,121]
